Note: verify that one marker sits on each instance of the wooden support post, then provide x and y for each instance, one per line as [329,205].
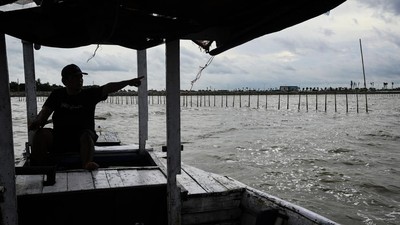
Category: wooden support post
[142,100]
[173,131]
[8,198]
[30,86]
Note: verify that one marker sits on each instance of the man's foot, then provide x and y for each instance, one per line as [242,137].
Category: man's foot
[91,166]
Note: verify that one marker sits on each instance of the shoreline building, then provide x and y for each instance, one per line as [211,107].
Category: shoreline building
[289,88]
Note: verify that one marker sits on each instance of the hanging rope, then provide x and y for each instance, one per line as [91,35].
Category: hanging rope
[94,53]
[201,70]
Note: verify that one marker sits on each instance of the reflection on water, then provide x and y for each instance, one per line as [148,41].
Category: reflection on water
[341,165]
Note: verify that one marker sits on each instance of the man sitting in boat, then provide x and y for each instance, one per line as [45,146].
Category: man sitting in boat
[73,111]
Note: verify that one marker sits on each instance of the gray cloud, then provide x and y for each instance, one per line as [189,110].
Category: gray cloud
[391,6]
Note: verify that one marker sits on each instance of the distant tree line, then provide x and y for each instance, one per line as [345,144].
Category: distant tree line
[43,87]
[46,87]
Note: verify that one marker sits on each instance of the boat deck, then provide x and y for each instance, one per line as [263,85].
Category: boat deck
[193,180]
[83,180]
[206,197]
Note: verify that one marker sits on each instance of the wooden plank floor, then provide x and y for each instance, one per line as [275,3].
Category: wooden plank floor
[82,180]
[194,180]
[197,181]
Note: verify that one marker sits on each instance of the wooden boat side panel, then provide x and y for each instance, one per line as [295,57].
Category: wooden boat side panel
[212,202]
[255,202]
[133,205]
[230,216]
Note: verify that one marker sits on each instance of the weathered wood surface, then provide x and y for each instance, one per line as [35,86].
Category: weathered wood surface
[107,138]
[81,180]
[193,180]
[197,181]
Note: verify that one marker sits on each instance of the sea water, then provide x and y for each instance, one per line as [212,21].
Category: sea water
[341,161]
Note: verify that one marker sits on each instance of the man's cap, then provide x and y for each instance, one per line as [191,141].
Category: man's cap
[71,69]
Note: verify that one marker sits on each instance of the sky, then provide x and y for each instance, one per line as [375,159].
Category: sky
[321,52]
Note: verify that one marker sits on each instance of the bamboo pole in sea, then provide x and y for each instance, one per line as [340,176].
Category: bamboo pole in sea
[227,100]
[307,102]
[248,105]
[287,101]
[357,101]
[335,102]
[298,108]
[279,101]
[365,82]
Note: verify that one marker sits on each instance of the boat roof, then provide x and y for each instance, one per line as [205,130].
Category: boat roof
[215,25]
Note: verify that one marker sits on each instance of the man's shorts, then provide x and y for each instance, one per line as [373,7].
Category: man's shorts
[70,141]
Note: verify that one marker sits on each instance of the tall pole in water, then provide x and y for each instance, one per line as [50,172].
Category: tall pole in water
[362,61]
[365,83]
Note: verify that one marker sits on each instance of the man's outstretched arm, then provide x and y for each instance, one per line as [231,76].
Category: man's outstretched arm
[116,86]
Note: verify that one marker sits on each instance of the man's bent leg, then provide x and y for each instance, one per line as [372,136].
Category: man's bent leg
[87,141]
[42,143]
